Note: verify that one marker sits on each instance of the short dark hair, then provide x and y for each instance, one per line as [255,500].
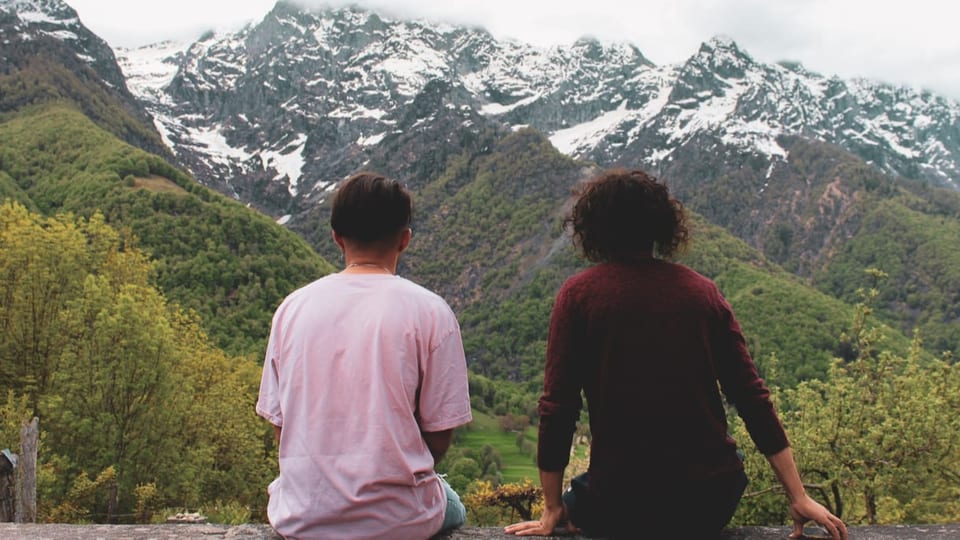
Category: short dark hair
[621,214]
[370,209]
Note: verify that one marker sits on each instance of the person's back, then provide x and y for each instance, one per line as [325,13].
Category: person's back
[651,368]
[364,373]
[647,341]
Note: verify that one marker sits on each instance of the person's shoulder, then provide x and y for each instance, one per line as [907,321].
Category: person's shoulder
[583,278]
[413,288]
[306,291]
[689,273]
[420,294]
[704,287]
[583,284]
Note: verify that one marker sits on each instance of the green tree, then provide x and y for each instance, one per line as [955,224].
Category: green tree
[114,401]
[36,284]
[462,471]
[14,412]
[222,440]
[126,384]
[877,439]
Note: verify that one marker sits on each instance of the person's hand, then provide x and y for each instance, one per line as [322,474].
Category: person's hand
[806,509]
[548,522]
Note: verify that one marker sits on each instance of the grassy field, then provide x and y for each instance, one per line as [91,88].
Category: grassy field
[158,184]
[485,429]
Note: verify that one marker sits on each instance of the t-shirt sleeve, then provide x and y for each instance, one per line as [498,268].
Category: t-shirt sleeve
[444,400]
[268,403]
[742,385]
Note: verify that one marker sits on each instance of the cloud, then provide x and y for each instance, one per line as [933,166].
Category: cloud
[911,43]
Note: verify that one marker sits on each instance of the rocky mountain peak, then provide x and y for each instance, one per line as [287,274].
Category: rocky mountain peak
[55,19]
[340,82]
[41,11]
[721,43]
[45,41]
[719,58]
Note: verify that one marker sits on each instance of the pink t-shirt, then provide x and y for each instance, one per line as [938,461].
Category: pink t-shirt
[357,366]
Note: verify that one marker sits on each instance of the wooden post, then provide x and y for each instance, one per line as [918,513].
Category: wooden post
[112,501]
[27,473]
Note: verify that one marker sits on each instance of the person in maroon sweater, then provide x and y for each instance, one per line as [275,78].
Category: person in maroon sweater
[647,342]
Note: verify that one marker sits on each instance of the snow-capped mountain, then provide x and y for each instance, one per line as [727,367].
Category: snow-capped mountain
[275,113]
[45,42]
[34,19]
[303,98]
[294,102]
[747,105]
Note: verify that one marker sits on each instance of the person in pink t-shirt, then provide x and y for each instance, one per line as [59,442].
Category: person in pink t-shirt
[364,381]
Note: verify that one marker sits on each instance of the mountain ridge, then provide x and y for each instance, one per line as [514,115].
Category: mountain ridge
[44,42]
[277,113]
[603,102]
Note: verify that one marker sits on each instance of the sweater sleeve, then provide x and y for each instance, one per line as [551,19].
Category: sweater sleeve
[559,406]
[742,385]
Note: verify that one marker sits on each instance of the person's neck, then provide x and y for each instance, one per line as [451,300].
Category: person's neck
[369,264]
[638,257]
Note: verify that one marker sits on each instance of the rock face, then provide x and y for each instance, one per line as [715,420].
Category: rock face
[277,112]
[65,61]
[53,18]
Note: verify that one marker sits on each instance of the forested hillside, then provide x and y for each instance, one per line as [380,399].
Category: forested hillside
[134,303]
[229,264]
[39,68]
[915,238]
[139,409]
[73,139]
[826,215]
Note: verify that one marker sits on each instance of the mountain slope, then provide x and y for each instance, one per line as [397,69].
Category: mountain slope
[46,55]
[826,216]
[278,112]
[67,123]
[304,97]
[229,264]
[788,160]
[914,239]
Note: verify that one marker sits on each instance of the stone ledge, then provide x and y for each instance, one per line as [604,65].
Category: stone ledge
[11,531]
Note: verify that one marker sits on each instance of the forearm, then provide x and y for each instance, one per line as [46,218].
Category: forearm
[785,468]
[802,507]
[552,483]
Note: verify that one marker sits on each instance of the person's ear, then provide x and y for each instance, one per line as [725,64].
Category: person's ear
[405,239]
[338,239]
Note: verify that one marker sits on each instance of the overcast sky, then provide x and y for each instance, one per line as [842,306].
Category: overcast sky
[912,42]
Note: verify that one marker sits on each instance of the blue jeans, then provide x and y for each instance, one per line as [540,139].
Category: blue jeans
[456,514]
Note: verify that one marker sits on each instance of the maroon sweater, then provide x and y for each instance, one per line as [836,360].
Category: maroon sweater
[647,343]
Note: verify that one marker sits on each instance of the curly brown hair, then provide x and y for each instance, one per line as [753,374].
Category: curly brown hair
[622,214]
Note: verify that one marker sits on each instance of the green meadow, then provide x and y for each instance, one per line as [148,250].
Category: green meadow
[485,430]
